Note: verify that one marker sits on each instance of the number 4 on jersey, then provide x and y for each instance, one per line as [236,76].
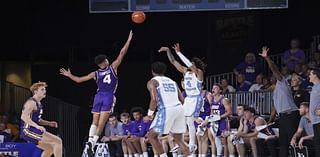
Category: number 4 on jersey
[107,79]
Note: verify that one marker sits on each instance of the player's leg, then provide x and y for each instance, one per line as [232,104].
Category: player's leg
[54,141]
[144,147]
[153,138]
[124,148]
[47,149]
[204,144]
[212,142]
[241,149]
[178,127]
[253,146]
[230,146]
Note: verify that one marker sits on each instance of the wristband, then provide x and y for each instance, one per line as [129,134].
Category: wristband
[150,113]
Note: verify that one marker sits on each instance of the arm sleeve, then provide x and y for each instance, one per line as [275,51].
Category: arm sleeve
[184,59]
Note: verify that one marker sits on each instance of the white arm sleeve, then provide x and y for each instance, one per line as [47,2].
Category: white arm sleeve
[184,59]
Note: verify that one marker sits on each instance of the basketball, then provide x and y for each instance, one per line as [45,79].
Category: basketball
[138,17]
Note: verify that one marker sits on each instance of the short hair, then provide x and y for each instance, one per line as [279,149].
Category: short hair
[136,109]
[316,71]
[159,67]
[99,59]
[114,115]
[218,85]
[125,114]
[305,104]
[199,63]
[243,105]
[37,85]
[250,109]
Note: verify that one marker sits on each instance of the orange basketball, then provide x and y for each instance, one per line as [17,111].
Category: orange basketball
[138,16]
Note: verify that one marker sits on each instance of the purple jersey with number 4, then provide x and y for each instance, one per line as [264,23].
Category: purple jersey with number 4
[107,82]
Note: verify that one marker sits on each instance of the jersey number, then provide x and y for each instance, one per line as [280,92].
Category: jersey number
[169,87]
[188,83]
[107,79]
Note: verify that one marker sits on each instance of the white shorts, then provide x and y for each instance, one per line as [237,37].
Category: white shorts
[192,106]
[169,120]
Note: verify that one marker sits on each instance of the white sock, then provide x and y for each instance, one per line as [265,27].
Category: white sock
[125,155]
[175,154]
[155,155]
[130,155]
[213,155]
[192,130]
[141,155]
[219,146]
[145,154]
[203,155]
[180,155]
[163,155]
[136,155]
[92,132]
[231,155]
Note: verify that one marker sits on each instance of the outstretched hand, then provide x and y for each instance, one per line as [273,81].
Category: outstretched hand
[65,72]
[264,52]
[176,47]
[130,35]
[163,49]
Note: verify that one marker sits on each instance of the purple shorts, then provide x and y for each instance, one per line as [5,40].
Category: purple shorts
[31,134]
[103,102]
[220,126]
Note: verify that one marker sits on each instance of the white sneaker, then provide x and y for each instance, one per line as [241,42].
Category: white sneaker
[193,148]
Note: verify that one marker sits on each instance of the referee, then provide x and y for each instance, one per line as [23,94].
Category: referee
[284,105]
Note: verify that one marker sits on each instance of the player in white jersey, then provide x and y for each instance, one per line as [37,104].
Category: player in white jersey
[193,78]
[165,96]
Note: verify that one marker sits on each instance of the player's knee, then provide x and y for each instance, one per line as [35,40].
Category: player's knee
[152,135]
[58,142]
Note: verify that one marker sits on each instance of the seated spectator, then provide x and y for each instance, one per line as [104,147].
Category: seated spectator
[293,56]
[258,84]
[5,135]
[113,136]
[286,73]
[139,130]
[12,129]
[299,95]
[242,85]
[266,84]
[226,88]
[305,125]
[126,126]
[315,61]
[250,68]
[304,75]
[249,131]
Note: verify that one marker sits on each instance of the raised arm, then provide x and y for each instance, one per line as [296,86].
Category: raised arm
[186,61]
[173,61]
[78,79]
[122,53]
[271,64]
[28,107]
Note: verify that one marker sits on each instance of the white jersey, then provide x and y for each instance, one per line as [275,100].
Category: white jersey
[192,84]
[167,92]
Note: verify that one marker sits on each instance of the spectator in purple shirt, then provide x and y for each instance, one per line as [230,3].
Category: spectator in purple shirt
[242,85]
[139,130]
[293,56]
[126,126]
[250,68]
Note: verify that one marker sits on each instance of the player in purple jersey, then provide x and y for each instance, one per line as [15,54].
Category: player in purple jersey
[104,100]
[31,129]
[220,113]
